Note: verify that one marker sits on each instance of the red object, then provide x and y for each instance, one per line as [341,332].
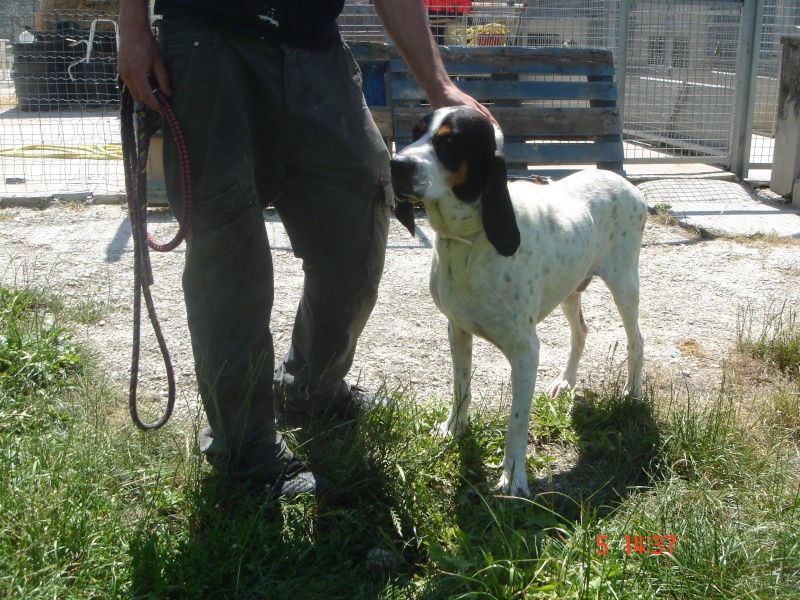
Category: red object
[449,7]
[489,39]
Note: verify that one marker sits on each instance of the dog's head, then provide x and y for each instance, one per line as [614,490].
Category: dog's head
[457,151]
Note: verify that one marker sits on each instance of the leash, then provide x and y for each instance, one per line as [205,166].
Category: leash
[135,149]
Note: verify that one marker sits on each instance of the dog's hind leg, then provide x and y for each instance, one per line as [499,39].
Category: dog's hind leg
[524,365]
[578,330]
[461,353]
[626,297]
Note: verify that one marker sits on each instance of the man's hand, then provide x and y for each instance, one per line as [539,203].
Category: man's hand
[139,58]
[450,95]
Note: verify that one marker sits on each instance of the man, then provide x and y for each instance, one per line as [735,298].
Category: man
[270,103]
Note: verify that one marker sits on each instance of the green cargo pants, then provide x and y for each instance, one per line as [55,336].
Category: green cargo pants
[271,124]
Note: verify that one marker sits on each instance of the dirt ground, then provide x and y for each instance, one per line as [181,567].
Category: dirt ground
[692,291]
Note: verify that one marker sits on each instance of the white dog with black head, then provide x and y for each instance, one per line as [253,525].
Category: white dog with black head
[507,253]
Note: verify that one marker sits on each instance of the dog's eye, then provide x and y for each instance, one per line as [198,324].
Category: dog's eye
[445,135]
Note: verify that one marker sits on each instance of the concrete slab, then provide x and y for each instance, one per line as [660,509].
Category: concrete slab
[722,206]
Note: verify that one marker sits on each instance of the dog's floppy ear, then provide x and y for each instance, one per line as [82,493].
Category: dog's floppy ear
[499,139]
[498,217]
[404,212]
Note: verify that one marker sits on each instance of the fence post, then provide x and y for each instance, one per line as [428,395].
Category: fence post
[4,66]
[786,162]
[621,56]
[746,79]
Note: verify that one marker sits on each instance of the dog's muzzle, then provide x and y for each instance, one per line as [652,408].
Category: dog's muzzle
[406,181]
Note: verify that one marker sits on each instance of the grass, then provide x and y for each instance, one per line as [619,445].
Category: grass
[662,214]
[775,338]
[92,508]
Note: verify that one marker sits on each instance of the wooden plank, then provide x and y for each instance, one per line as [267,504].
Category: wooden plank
[373,83]
[467,69]
[556,154]
[555,172]
[507,59]
[370,51]
[533,122]
[383,119]
[517,56]
[564,154]
[516,90]
[523,56]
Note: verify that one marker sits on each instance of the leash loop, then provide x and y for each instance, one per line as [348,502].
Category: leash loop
[138,124]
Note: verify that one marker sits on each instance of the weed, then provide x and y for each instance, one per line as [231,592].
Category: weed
[776,339]
[662,214]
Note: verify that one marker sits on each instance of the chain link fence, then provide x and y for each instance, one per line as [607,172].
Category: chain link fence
[678,65]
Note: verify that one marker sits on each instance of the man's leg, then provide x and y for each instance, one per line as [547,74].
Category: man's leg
[228,276]
[335,207]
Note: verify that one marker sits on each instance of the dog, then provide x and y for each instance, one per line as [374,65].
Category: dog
[507,253]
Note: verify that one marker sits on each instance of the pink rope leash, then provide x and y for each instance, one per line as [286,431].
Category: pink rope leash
[135,150]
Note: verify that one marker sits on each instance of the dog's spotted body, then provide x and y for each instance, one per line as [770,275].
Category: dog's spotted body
[507,253]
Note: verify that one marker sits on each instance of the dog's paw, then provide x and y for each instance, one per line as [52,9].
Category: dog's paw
[559,386]
[634,392]
[452,428]
[515,484]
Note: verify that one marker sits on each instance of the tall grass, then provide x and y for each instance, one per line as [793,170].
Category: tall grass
[774,337]
[92,508]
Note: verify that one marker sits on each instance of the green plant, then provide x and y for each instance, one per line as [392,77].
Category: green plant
[35,352]
[662,214]
[774,338]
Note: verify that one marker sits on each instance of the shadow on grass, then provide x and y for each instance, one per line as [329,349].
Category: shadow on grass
[497,546]
[619,445]
[348,544]
[404,507]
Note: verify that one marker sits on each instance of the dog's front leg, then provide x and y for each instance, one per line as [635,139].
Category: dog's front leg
[524,365]
[461,353]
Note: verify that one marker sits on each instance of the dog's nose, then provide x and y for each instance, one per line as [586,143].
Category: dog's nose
[402,166]
[403,171]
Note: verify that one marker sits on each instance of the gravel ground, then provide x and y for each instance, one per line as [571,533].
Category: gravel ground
[691,293]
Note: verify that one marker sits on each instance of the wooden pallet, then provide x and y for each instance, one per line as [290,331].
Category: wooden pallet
[557,105]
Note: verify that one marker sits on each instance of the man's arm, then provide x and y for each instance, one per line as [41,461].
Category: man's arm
[406,23]
[139,55]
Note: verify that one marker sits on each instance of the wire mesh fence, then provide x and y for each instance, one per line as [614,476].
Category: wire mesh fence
[680,85]
[59,128]
[58,103]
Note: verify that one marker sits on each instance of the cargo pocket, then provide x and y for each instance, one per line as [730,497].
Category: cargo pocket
[225,220]
[376,252]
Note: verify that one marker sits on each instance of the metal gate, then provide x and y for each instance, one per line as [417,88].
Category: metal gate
[701,79]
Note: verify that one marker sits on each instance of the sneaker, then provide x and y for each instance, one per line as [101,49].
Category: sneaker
[360,402]
[338,410]
[298,479]
[295,478]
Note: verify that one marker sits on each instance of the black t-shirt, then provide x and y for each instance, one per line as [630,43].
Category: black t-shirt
[304,23]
